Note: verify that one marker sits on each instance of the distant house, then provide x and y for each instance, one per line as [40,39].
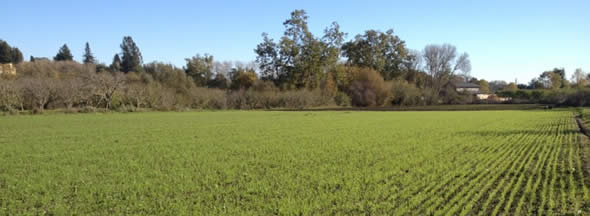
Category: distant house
[466,87]
[8,68]
[483,96]
[474,89]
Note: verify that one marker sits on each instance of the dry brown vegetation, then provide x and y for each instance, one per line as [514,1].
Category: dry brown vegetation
[71,86]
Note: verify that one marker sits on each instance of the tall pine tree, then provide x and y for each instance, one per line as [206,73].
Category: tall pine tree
[131,56]
[116,65]
[88,57]
[64,54]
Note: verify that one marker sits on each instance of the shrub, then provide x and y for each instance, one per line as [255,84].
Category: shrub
[161,98]
[11,96]
[342,99]
[580,97]
[321,98]
[73,91]
[243,99]
[368,88]
[205,98]
[39,92]
[136,95]
[405,94]
[555,97]
[108,86]
[537,95]
[300,99]
[328,86]
[268,99]
[55,69]
[296,99]
[87,109]
[453,97]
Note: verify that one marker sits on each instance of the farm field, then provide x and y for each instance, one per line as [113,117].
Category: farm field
[287,163]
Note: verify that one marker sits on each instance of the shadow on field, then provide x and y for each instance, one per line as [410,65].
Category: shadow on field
[490,133]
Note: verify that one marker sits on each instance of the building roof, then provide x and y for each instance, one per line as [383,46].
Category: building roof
[465,85]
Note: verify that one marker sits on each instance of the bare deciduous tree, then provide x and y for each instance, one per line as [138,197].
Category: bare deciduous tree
[11,95]
[415,61]
[579,78]
[73,91]
[442,64]
[107,85]
[41,91]
[137,94]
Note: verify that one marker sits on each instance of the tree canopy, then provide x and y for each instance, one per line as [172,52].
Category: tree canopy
[442,64]
[131,59]
[381,51]
[9,54]
[64,54]
[299,59]
[88,56]
[116,64]
[200,68]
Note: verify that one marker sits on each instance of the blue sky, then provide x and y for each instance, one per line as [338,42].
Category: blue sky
[506,40]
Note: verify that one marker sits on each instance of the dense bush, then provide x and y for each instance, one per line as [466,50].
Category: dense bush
[367,88]
[11,96]
[57,69]
[581,97]
[303,99]
[453,97]
[342,99]
[406,94]
[251,99]
[567,97]
[242,99]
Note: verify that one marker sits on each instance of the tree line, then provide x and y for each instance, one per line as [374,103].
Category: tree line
[9,54]
[297,70]
[552,87]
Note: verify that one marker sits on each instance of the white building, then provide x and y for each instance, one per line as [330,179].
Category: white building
[466,87]
[7,69]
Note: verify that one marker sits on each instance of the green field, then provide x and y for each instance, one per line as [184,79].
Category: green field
[288,163]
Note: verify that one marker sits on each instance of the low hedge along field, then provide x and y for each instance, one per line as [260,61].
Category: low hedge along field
[292,163]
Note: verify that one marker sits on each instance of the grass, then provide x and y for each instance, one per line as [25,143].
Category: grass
[265,163]
[451,107]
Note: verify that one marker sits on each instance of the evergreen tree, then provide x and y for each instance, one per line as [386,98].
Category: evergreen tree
[88,57]
[5,52]
[17,56]
[116,65]
[131,56]
[64,54]
[9,54]
[299,59]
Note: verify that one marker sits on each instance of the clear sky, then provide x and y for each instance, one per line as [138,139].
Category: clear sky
[505,39]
